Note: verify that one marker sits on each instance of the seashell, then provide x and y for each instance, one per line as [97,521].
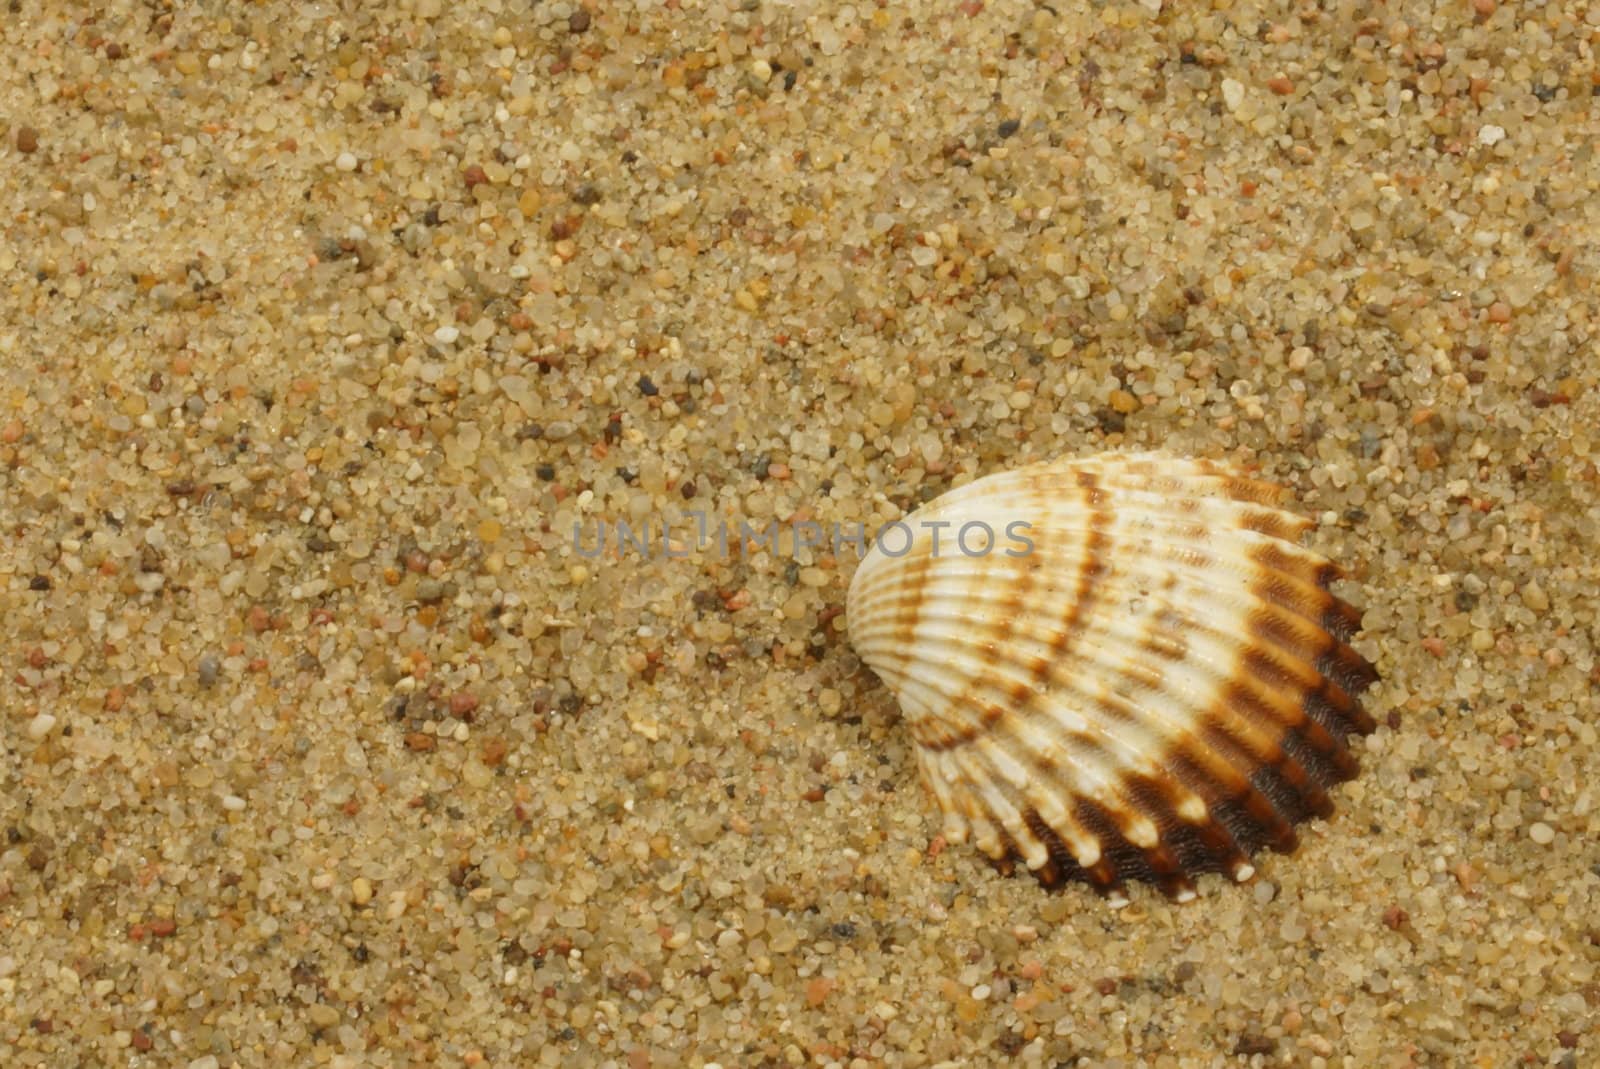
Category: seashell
[1137,673]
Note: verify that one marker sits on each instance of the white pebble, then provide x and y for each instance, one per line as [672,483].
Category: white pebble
[446,335]
[346,161]
[1542,833]
[1491,135]
[233,803]
[1232,93]
[40,726]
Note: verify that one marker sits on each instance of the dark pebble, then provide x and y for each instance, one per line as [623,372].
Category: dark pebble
[27,140]
[1010,1043]
[39,582]
[1010,127]
[646,387]
[1249,1044]
[547,472]
[578,21]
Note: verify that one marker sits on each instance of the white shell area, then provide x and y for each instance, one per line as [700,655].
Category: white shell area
[1143,677]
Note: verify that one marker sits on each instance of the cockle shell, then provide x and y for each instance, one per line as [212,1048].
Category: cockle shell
[1143,677]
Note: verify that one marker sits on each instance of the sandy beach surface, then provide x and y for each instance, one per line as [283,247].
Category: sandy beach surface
[323,325]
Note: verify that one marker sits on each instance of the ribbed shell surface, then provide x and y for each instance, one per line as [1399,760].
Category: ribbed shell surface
[1143,677]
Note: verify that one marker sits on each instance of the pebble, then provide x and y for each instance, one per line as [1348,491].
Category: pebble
[1542,833]
[346,161]
[41,725]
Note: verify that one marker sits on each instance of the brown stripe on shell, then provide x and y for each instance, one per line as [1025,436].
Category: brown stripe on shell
[929,734]
[1337,710]
[1274,523]
[1295,793]
[1242,488]
[1278,682]
[1061,865]
[909,609]
[1120,860]
[1167,644]
[1333,660]
[1330,760]
[1241,820]
[1200,846]
[1340,619]
[1249,815]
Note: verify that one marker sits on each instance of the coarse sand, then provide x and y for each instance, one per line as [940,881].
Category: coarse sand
[323,327]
